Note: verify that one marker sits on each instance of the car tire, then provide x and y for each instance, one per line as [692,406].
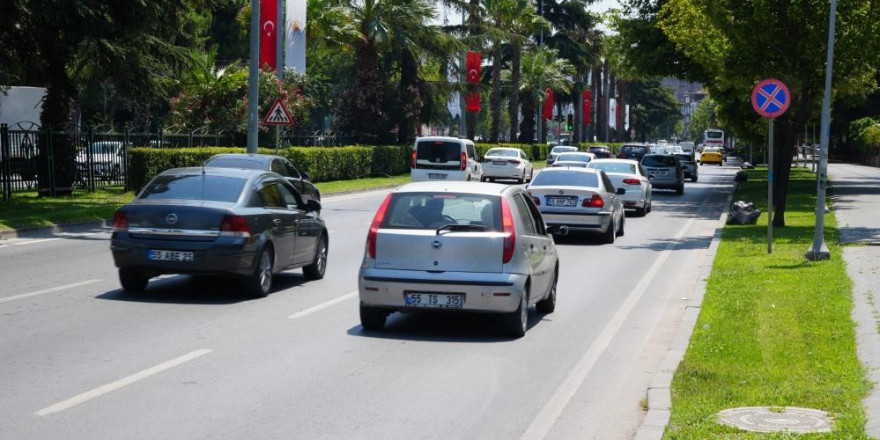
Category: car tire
[548,304]
[483,179]
[259,283]
[372,318]
[694,178]
[517,322]
[133,280]
[680,189]
[701,163]
[643,211]
[650,205]
[315,271]
[609,235]
[621,231]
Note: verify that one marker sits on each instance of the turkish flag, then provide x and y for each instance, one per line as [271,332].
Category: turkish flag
[548,105]
[587,106]
[473,67]
[269,33]
[472,102]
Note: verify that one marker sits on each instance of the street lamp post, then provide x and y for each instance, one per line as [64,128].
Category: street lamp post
[254,78]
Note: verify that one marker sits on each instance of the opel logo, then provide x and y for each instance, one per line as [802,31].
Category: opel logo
[171,219]
[436,244]
[561,192]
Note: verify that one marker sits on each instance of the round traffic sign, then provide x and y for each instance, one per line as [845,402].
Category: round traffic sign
[771,98]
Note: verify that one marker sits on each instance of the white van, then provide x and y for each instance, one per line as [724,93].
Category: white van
[445,158]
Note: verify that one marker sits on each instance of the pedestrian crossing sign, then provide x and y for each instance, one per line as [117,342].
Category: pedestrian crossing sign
[278,115]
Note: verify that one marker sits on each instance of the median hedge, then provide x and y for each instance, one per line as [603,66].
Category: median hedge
[321,163]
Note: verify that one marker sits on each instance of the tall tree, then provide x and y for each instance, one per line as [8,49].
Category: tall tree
[541,69]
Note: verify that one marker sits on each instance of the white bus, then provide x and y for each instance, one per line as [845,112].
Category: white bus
[713,138]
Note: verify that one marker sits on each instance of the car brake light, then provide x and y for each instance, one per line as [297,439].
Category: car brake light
[120,221]
[413,159]
[509,232]
[621,155]
[234,226]
[536,200]
[593,202]
[632,181]
[463,161]
[374,227]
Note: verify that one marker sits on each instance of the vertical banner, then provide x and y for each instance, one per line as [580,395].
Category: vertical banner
[473,67]
[295,37]
[472,102]
[626,118]
[548,104]
[587,106]
[268,34]
[612,113]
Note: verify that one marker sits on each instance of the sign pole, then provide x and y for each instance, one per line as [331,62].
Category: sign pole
[277,138]
[770,190]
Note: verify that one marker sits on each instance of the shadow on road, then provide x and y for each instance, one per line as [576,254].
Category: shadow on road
[445,327]
[207,290]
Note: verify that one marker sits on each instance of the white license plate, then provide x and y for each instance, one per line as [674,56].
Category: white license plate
[560,201]
[434,300]
[160,255]
[499,162]
[437,176]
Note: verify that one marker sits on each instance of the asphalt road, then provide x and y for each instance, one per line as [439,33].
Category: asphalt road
[193,359]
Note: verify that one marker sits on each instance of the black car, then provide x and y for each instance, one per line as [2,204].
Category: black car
[218,221]
[601,151]
[268,162]
[633,151]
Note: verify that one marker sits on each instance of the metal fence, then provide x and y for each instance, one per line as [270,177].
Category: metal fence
[30,159]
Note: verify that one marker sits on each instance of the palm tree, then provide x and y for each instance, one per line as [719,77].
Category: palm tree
[524,23]
[541,69]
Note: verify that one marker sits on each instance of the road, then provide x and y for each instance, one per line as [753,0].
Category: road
[192,359]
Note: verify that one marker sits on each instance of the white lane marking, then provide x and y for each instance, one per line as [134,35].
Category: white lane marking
[3,246]
[49,290]
[35,241]
[323,306]
[113,386]
[546,418]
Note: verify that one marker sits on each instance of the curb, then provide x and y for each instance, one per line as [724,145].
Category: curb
[6,234]
[659,393]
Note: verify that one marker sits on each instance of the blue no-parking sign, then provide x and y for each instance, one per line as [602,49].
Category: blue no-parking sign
[771,98]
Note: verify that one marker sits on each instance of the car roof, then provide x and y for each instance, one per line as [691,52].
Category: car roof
[456,187]
[579,153]
[504,148]
[250,157]
[626,161]
[218,171]
[570,169]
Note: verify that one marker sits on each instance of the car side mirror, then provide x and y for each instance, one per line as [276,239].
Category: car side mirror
[621,191]
[304,175]
[561,230]
[651,178]
[313,205]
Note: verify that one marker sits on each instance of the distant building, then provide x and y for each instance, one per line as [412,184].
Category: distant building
[689,96]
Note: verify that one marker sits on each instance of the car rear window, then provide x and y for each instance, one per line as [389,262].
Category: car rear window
[563,149]
[634,149]
[684,157]
[438,152]
[502,153]
[614,167]
[658,161]
[573,157]
[234,162]
[565,178]
[430,210]
[194,187]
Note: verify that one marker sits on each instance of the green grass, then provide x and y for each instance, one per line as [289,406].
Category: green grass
[28,210]
[774,329]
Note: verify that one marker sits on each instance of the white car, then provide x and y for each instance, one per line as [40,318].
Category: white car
[105,159]
[507,163]
[445,158]
[631,176]
[574,159]
[454,246]
[557,150]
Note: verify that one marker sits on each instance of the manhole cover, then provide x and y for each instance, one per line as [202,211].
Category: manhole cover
[791,419]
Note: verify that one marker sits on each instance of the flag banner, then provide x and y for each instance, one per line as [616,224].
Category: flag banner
[548,104]
[268,34]
[612,113]
[472,102]
[295,36]
[587,106]
[473,67]
[626,119]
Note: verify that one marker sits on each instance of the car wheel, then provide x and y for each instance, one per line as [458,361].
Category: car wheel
[620,231]
[483,179]
[116,173]
[315,271]
[650,204]
[610,234]
[643,211]
[260,282]
[372,318]
[518,321]
[680,189]
[701,163]
[548,304]
[694,178]
[132,280]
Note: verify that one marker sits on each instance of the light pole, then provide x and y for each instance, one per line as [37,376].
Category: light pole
[254,78]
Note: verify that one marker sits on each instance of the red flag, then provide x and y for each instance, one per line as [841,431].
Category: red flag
[473,67]
[268,33]
[548,105]
[587,106]
[472,102]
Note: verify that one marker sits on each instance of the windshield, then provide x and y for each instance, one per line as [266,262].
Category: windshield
[684,157]
[429,211]
[565,178]
[614,167]
[502,152]
[658,161]
[194,187]
[573,158]
[104,148]
[563,149]
[438,152]
[714,134]
[234,162]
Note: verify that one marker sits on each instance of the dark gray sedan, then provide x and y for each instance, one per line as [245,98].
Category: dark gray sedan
[218,221]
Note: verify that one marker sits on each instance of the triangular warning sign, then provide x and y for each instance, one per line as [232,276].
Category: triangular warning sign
[278,115]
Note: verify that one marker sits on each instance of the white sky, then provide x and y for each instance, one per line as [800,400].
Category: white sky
[603,5]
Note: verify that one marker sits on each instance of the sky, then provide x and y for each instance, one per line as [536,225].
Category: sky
[603,5]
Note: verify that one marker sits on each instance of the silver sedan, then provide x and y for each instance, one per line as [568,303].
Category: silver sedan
[449,246]
[631,176]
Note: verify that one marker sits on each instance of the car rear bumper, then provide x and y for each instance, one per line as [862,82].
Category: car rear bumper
[589,222]
[208,257]
[483,292]
[503,172]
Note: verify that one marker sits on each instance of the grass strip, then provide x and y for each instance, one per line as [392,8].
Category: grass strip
[774,329]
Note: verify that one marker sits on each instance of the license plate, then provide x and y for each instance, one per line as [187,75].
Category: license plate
[499,162]
[160,255]
[437,176]
[561,201]
[434,300]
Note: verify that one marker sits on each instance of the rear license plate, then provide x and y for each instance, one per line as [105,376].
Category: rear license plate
[434,300]
[437,176]
[160,255]
[499,162]
[561,201]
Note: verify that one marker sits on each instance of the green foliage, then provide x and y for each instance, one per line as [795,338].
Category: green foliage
[703,118]
[861,131]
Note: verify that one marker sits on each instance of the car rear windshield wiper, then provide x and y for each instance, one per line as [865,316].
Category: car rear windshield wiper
[459,227]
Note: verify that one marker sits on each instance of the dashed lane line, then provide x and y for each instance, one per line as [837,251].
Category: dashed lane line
[49,290]
[323,305]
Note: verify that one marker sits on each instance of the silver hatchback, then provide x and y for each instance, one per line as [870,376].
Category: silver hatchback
[449,246]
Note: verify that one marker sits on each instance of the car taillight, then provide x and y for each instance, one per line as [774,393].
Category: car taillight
[536,200]
[413,159]
[509,232]
[234,226]
[621,155]
[120,221]
[593,202]
[463,161]
[374,227]
[632,181]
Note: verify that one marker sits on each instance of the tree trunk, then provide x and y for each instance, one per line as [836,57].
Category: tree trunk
[409,97]
[57,177]
[527,126]
[495,103]
[513,107]
[367,112]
